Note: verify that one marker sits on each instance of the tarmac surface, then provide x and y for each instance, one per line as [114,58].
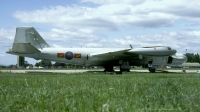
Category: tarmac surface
[94,70]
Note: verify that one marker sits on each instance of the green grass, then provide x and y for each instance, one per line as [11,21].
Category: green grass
[99,92]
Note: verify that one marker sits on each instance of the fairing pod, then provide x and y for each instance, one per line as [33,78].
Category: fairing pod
[153,51]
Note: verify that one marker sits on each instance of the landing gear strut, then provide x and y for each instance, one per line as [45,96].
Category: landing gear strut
[152,69]
[124,66]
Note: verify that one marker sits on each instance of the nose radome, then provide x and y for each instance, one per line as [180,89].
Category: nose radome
[185,58]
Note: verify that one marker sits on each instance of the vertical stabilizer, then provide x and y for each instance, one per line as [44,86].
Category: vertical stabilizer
[29,35]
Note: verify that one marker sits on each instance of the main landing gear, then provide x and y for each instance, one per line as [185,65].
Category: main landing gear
[124,66]
[108,69]
[152,69]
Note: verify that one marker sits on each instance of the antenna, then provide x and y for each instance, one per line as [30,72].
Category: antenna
[131,46]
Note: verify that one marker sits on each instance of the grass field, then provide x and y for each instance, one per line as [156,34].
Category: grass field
[87,92]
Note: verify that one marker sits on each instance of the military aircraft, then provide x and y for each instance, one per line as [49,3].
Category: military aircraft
[29,43]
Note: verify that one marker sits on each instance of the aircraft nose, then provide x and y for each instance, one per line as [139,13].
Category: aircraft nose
[185,58]
[182,57]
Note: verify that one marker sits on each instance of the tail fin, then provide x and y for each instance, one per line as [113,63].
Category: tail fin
[28,40]
[30,35]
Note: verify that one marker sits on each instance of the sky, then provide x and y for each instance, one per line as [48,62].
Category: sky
[103,23]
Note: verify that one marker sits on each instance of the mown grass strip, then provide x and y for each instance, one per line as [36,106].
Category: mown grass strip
[99,92]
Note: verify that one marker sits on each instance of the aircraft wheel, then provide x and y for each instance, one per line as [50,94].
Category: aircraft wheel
[122,70]
[152,70]
[108,69]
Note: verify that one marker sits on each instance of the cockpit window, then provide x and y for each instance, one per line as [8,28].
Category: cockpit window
[169,48]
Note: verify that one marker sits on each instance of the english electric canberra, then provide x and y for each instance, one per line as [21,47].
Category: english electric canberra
[29,43]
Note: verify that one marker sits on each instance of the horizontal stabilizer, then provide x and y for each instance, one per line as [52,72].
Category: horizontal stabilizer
[24,48]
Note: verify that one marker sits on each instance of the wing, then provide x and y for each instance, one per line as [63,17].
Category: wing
[109,53]
[152,51]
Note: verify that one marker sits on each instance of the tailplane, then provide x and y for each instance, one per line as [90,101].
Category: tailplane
[28,40]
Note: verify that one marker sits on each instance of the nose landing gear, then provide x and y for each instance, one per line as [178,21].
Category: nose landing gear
[152,69]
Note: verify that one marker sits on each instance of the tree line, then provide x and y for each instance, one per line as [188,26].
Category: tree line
[194,58]
[44,63]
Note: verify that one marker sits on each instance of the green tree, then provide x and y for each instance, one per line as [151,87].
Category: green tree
[43,63]
[192,57]
[197,59]
[37,64]
[59,64]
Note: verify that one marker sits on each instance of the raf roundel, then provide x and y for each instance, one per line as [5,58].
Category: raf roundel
[69,55]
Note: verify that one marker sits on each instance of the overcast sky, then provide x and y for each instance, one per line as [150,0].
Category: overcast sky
[103,23]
